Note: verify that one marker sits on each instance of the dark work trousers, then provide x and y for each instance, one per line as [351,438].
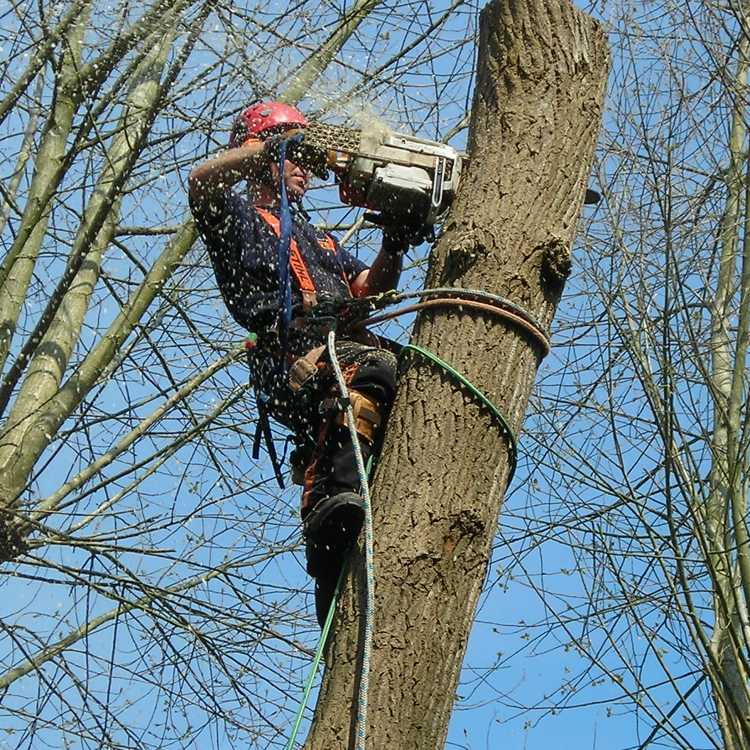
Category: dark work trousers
[370,370]
[330,460]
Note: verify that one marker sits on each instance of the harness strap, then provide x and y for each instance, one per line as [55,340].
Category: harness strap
[304,368]
[296,262]
[328,244]
[264,430]
[263,427]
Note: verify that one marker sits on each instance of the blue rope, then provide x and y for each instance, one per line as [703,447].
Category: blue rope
[283,246]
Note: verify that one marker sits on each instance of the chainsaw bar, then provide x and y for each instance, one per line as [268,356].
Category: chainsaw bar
[392,173]
[333,137]
[378,144]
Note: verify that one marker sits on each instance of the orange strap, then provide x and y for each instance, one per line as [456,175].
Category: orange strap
[328,244]
[296,262]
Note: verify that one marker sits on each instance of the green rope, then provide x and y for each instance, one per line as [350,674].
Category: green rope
[513,450]
[512,440]
[316,661]
[320,647]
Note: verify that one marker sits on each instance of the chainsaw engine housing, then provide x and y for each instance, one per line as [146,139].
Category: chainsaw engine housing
[407,178]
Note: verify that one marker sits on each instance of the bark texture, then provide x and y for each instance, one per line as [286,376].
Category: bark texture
[542,69]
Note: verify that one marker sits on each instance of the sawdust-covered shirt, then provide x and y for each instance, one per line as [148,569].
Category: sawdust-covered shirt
[243,249]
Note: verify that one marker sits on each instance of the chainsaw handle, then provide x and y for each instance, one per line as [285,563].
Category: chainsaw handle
[414,235]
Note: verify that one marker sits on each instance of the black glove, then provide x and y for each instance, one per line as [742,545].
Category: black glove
[399,233]
[308,157]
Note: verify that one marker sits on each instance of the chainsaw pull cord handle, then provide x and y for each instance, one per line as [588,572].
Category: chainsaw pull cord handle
[437,190]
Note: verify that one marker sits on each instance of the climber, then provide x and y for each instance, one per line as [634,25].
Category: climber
[289,364]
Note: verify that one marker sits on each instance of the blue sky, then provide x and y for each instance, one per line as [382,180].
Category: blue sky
[520,666]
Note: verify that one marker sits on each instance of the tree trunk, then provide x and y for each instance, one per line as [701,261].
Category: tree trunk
[438,489]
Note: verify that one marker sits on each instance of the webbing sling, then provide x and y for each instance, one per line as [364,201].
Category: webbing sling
[263,428]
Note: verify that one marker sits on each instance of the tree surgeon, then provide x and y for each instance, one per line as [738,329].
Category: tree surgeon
[289,362]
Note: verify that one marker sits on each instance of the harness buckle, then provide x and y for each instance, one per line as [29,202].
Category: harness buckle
[334,405]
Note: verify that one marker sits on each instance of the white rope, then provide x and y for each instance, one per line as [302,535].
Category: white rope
[364,681]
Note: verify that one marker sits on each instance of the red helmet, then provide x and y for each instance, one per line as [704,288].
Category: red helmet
[258,119]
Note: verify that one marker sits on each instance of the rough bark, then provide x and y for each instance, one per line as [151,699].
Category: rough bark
[439,486]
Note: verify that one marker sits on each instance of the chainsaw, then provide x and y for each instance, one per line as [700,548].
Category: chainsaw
[395,177]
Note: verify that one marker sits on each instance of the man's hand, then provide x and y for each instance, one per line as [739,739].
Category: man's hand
[308,157]
[209,181]
[399,233]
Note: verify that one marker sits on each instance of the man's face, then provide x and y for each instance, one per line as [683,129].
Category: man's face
[296,179]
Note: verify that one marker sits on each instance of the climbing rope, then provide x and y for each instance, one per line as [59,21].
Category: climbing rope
[283,247]
[364,679]
[464,381]
[469,294]
[472,298]
[476,299]
[364,682]
[369,613]
[509,317]
[283,251]
[316,663]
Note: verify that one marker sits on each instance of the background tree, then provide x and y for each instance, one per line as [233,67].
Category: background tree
[153,592]
[639,450]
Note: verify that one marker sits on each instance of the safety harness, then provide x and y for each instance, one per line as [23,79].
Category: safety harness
[291,263]
[296,261]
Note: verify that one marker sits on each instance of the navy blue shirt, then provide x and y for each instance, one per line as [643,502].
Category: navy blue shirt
[243,251]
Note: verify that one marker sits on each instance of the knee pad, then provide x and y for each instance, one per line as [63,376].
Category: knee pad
[376,380]
[367,415]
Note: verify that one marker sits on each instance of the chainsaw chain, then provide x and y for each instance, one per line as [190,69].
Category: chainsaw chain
[333,137]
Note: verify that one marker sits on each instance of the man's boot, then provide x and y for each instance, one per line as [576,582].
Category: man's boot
[333,524]
[330,529]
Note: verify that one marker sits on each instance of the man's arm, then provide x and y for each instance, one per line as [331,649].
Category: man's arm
[384,273]
[209,181]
